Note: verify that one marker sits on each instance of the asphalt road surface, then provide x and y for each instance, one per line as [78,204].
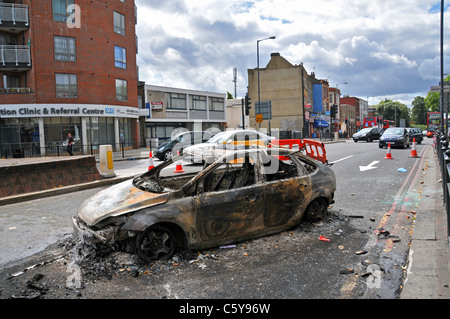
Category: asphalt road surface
[350,255]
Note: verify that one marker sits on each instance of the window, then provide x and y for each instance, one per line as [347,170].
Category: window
[65,49]
[11,81]
[177,101]
[119,23]
[198,103]
[120,56]
[59,8]
[217,104]
[66,85]
[121,90]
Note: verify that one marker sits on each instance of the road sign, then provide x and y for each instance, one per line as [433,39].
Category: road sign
[259,118]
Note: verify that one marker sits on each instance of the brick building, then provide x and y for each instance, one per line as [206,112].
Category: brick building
[67,67]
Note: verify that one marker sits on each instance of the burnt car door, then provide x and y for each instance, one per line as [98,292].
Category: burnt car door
[287,186]
[229,202]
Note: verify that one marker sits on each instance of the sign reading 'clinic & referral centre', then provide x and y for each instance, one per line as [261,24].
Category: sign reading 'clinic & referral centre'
[66,110]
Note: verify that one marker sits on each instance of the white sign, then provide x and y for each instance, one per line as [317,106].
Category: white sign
[66,110]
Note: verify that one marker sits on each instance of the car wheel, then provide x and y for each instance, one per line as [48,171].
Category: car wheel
[167,155]
[369,140]
[316,211]
[155,243]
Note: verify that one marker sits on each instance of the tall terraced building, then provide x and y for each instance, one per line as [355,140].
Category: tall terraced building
[67,66]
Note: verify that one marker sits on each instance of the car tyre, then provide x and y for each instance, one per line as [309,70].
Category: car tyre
[155,243]
[369,139]
[317,211]
[167,155]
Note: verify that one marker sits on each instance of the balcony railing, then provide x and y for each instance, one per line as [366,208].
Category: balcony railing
[15,57]
[15,90]
[11,13]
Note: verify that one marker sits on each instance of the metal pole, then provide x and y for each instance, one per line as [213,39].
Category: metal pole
[243,115]
[259,92]
[442,71]
[259,95]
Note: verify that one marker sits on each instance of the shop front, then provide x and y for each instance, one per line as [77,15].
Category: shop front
[42,129]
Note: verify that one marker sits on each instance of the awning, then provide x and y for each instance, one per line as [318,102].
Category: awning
[320,123]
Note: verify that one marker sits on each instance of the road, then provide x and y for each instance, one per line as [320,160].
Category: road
[357,262]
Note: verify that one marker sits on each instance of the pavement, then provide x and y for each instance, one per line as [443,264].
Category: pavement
[427,275]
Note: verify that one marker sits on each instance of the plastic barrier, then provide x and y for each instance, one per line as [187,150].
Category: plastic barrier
[314,149]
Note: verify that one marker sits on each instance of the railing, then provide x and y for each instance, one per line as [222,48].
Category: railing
[11,12]
[15,90]
[33,149]
[15,54]
[443,152]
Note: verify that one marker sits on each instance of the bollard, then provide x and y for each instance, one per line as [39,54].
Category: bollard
[106,161]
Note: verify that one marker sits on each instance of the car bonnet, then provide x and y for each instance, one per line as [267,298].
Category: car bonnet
[117,200]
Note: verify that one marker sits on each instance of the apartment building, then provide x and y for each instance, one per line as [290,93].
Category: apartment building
[292,102]
[67,66]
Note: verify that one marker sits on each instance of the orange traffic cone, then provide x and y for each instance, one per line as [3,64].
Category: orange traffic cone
[151,164]
[388,155]
[413,151]
[179,167]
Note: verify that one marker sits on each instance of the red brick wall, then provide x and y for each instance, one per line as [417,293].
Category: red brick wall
[32,175]
[94,66]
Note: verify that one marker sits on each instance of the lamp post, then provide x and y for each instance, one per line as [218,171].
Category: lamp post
[259,94]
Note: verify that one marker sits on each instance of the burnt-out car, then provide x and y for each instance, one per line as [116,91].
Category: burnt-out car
[242,195]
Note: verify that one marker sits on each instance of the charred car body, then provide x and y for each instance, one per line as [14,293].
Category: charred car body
[242,195]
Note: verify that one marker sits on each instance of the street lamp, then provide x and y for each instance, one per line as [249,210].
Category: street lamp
[337,85]
[259,95]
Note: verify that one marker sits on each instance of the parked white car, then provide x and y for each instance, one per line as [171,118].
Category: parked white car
[228,140]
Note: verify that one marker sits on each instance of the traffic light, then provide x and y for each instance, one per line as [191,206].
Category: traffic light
[333,111]
[247,104]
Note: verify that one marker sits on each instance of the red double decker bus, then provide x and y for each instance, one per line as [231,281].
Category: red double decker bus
[433,123]
[387,124]
[371,121]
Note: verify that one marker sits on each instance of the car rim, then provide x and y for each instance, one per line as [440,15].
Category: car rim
[317,211]
[168,155]
[156,243]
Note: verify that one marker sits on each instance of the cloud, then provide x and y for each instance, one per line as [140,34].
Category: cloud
[379,47]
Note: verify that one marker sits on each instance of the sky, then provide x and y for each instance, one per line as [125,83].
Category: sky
[382,49]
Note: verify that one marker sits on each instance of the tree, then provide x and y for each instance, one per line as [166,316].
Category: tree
[391,110]
[229,96]
[432,102]
[419,110]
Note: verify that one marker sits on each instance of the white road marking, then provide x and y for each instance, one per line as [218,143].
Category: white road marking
[342,159]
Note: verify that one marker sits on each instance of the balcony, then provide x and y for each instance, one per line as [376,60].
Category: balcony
[15,58]
[15,90]
[13,17]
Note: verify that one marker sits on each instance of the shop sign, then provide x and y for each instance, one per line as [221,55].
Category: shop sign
[66,110]
[177,115]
